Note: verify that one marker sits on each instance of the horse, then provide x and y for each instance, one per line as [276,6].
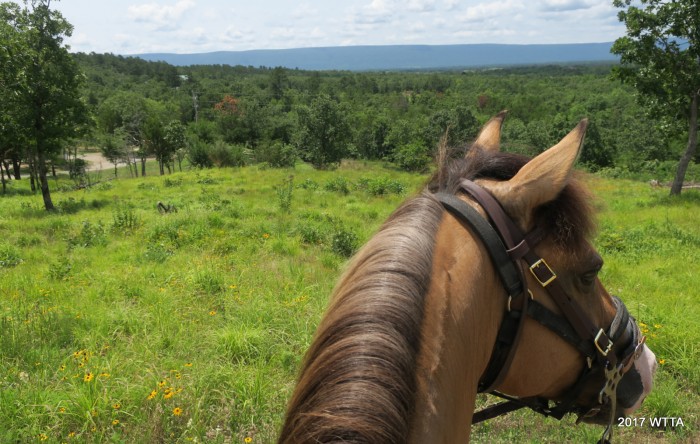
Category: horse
[486,281]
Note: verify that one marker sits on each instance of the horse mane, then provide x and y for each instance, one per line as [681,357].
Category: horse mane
[357,384]
[358,380]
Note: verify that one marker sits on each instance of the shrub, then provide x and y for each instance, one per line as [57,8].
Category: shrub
[308,184]
[89,235]
[344,242]
[412,157]
[224,155]
[60,269]
[284,194]
[338,184]
[198,155]
[380,186]
[124,219]
[276,154]
[9,257]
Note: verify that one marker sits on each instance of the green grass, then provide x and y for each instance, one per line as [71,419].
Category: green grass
[115,317]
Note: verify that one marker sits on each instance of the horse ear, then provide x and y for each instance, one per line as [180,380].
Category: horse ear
[542,179]
[489,138]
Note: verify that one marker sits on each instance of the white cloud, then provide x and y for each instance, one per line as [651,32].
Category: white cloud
[420,5]
[378,11]
[483,11]
[163,17]
[451,5]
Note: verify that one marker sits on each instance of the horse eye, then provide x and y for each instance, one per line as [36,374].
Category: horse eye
[589,277]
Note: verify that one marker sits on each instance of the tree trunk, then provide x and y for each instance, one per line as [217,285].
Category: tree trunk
[116,174]
[143,166]
[44,182]
[2,174]
[16,167]
[6,164]
[32,172]
[690,149]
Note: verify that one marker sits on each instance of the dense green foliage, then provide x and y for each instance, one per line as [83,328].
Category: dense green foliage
[119,323]
[660,56]
[393,116]
[39,86]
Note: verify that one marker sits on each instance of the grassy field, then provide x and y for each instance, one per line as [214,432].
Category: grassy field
[122,324]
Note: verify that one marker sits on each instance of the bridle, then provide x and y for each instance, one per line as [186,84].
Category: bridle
[609,352]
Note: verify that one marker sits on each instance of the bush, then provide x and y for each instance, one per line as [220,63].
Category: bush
[89,235]
[284,194]
[308,184]
[124,219]
[344,242]
[276,154]
[380,186]
[224,155]
[338,184]
[412,157]
[198,155]
[9,257]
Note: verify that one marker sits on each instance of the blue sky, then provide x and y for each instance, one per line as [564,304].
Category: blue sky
[187,26]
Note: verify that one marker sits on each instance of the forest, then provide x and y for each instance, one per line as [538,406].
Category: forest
[219,116]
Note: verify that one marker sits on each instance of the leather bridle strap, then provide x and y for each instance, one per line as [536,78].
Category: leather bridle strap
[516,241]
[510,275]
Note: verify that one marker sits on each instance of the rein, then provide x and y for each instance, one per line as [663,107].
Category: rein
[512,254]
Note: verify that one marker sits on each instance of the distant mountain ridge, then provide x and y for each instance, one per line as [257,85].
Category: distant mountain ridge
[398,57]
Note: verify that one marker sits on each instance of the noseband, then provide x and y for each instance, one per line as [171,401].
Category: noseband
[609,352]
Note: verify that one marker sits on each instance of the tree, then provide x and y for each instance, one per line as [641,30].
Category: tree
[324,132]
[113,149]
[660,56]
[46,96]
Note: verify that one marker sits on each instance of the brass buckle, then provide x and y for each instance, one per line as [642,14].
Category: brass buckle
[536,265]
[595,342]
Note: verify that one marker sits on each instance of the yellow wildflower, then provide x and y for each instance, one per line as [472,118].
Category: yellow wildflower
[115,422]
[88,377]
[43,437]
[658,325]
[152,395]
[177,411]
[116,406]
[248,439]
[662,361]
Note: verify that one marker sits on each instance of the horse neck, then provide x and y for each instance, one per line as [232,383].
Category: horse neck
[463,310]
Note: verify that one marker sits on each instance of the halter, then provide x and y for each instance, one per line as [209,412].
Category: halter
[610,352]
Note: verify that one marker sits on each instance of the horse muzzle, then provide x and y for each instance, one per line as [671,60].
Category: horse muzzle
[633,388]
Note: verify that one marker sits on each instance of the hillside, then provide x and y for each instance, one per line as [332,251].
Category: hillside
[366,58]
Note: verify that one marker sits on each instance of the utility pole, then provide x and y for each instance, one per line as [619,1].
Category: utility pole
[195,105]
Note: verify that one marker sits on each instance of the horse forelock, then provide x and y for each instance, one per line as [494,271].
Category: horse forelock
[357,383]
[569,218]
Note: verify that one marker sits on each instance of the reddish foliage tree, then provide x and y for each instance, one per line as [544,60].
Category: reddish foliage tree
[228,106]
